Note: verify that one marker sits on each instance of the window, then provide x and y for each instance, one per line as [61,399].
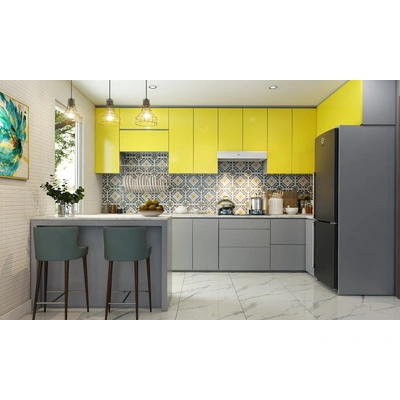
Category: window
[67,150]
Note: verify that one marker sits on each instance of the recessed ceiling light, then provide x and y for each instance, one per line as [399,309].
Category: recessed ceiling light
[273,87]
[152,87]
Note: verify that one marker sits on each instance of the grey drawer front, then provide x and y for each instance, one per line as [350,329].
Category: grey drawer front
[244,238]
[244,259]
[288,258]
[244,223]
[288,231]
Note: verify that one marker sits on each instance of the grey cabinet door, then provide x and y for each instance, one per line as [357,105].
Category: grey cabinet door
[288,257]
[244,223]
[288,231]
[310,246]
[205,244]
[244,238]
[244,259]
[182,244]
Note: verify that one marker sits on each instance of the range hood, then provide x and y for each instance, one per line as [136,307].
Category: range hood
[242,155]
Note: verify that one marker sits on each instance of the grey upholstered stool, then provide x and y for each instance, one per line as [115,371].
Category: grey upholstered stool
[57,244]
[126,244]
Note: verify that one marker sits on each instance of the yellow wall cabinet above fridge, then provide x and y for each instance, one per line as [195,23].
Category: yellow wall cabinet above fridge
[128,116]
[107,159]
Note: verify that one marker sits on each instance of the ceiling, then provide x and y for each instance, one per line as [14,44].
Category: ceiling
[210,93]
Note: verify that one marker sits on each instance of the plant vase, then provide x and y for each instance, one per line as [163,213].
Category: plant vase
[60,210]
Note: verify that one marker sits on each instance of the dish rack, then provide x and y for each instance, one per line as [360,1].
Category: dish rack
[137,183]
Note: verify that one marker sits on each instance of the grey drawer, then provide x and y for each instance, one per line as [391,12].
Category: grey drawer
[244,259]
[244,223]
[290,231]
[244,238]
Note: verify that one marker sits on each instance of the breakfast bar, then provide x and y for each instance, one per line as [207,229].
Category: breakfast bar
[91,235]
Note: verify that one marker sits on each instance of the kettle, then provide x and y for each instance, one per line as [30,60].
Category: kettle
[225,206]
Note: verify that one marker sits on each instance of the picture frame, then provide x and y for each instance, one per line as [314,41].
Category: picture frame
[14,138]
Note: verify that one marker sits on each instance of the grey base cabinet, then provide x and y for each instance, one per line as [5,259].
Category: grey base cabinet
[288,245]
[194,244]
[310,246]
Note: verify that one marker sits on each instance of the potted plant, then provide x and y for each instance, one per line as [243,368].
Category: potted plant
[62,196]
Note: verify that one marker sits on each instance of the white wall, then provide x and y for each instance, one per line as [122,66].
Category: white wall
[21,200]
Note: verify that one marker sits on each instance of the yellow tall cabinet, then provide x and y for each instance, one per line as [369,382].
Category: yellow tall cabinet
[255,129]
[304,134]
[106,147]
[230,122]
[205,139]
[180,140]
[279,141]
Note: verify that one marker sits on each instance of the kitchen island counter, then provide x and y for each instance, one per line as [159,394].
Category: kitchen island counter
[91,235]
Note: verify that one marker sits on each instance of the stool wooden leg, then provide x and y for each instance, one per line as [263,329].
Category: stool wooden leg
[148,279]
[66,276]
[46,272]
[85,274]
[38,277]
[109,285]
[137,288]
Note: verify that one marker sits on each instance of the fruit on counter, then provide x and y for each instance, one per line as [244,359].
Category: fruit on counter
[151,205]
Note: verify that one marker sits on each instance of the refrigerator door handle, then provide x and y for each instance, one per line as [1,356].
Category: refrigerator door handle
[333,223]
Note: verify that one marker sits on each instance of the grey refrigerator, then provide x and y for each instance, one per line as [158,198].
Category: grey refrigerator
[354,209]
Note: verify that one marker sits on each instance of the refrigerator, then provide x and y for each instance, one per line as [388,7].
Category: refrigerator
[354,210]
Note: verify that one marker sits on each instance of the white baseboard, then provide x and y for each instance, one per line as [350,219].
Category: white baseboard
[18,312]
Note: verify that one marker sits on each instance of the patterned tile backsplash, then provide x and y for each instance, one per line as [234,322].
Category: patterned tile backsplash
[237,180]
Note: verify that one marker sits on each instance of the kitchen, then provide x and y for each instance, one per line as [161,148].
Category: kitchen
[239,180]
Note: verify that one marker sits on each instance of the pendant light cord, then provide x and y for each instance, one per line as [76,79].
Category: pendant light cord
[146,89]
[109,89]
[71,89]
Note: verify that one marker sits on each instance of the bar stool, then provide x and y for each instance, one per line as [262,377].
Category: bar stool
[126,244]
[57,244]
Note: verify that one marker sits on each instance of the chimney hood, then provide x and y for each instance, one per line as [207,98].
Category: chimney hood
[241,155]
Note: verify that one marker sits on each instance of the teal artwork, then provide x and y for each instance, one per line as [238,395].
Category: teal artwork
[14,151]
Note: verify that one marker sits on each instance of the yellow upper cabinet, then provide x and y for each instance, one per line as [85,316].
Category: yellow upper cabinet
[180,140]
[128,116]
[279,141]
[255,129]
[304,134]
[106,147]
[143,140]
[205,138]
[230,122]
[344,107]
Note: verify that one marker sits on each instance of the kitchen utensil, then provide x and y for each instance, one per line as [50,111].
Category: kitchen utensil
[181,210]
[275,206]
[256,203]
[291,210]
[225,206]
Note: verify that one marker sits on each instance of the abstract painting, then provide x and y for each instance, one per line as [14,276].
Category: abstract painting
[14,144]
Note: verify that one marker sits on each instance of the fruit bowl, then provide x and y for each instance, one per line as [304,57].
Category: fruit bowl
[150,213]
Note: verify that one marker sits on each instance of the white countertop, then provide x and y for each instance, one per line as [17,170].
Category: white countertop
[136,217]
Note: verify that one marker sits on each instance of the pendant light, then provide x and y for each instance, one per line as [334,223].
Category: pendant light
[71,112]
[109,117]
[146,116]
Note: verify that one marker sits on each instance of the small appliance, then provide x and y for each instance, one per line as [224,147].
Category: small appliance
[225,207]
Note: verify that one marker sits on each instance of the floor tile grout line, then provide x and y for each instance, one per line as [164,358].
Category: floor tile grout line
[234,288]
[180,295]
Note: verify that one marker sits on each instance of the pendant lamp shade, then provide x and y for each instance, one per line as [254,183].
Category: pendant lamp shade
[146,116]
[71,112]
[109,117]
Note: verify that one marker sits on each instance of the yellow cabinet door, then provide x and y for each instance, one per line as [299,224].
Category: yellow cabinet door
[180,140]
[205,138]
[255,129]
[279,141]
[344,107]
[128,116]
[230,121]
[106,147]
[143,140]
[304,133]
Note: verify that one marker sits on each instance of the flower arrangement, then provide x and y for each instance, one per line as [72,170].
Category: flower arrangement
[60,192]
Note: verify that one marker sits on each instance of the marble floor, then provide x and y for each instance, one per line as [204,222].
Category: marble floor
[252,296]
